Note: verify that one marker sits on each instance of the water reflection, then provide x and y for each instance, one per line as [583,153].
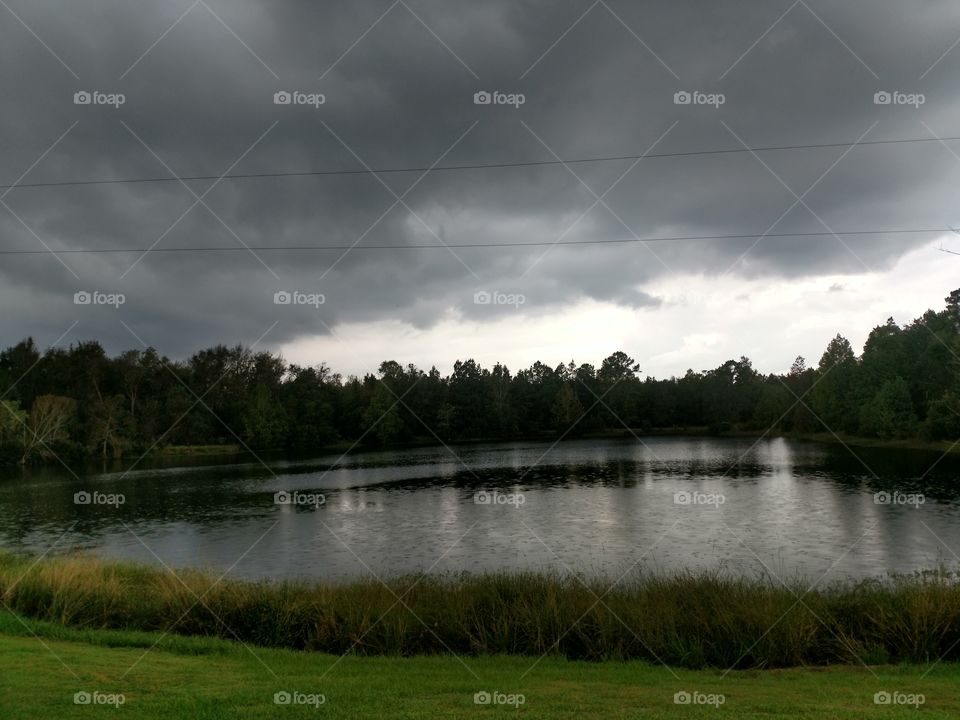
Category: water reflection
[590,506]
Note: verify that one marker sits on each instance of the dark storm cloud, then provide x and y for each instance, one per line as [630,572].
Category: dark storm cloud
[598,80]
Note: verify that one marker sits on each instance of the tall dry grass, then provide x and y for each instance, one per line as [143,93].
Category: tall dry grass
[691,620]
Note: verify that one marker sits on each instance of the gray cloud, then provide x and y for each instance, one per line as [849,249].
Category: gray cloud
[403,96]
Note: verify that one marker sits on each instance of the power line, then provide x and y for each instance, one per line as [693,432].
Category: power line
[476,166]
[611,241]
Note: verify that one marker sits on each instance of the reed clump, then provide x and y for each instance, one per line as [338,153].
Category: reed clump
[687,619]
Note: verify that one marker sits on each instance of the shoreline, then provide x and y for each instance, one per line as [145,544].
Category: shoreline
[231,451]
[203,451]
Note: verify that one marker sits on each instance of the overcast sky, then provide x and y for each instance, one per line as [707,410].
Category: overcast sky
[398,81]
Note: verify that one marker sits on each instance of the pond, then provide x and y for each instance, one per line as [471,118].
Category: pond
[599,507]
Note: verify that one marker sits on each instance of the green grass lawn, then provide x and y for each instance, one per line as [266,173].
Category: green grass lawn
[199,678]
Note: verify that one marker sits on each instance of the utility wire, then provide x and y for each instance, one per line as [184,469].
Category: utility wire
[611,241]
[477,166]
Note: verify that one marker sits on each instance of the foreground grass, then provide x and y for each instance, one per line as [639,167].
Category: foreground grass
[693,621]
[43,665]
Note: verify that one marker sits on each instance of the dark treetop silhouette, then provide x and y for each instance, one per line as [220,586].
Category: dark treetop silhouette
[69,403]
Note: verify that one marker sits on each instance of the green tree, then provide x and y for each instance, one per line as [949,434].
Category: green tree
[467,385]
[773,406]
[47,424]
[567,409]
[889,414]
[18,365]
[953,309]
[109,423]
[832,399]
[800,379]
[500,416]
[309,401]
[943,419]
[264,420]
[617,380]
[13,420]
[381,418]
[618,368]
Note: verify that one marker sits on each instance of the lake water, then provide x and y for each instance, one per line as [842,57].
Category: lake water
[603,507]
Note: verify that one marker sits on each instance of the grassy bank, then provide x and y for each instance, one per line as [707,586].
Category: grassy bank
[196,450]
[199,452]
[689,621]
[43,665]
[941,446]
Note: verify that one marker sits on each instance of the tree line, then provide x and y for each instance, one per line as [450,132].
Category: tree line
[76,402]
